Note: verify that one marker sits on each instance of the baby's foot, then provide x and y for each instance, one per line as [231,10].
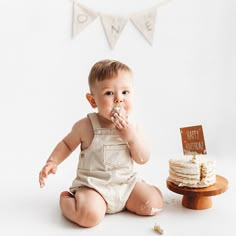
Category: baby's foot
[66,194]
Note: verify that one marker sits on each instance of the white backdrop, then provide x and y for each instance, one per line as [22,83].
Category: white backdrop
[187,77]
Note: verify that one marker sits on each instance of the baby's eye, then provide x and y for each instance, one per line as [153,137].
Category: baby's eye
[125,92]
[109,93]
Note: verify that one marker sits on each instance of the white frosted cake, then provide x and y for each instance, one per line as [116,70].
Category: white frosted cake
[192,172]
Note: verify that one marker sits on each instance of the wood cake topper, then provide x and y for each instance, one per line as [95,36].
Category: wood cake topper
[193,140]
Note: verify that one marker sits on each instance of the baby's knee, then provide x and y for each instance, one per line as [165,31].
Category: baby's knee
[88,214]
[87,220]
[152,205]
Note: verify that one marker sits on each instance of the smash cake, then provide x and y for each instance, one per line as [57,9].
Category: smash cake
[192,172]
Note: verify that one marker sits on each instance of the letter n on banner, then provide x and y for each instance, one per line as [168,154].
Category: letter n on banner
[113,27]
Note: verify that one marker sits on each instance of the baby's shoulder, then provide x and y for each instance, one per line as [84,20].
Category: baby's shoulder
[83,123]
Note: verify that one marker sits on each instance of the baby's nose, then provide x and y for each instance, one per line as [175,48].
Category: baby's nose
[118,99]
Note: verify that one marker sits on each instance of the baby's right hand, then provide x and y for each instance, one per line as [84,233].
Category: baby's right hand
[49,168]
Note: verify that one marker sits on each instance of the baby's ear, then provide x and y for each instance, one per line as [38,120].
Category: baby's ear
[91,100]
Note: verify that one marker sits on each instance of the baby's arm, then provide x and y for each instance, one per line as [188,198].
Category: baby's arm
[138,148]
[132,134]
[62,150]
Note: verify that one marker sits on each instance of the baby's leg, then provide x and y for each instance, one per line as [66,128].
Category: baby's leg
[86,209]
[145,199]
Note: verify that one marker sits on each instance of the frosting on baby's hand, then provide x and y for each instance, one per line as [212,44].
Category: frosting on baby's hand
[117,110]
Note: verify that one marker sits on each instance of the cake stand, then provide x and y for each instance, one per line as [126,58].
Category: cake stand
[199,198]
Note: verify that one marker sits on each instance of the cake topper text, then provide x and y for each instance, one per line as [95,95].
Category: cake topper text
[193,140]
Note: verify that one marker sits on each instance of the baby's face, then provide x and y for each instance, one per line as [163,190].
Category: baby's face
[114,95]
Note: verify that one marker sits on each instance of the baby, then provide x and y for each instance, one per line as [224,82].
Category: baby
[110,144]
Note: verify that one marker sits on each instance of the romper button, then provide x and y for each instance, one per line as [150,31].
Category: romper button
[82,155]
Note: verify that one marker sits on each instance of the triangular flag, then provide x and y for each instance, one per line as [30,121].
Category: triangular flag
[144,21]
[113,27]
[82,17]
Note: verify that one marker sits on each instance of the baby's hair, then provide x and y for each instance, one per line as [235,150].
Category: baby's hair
[106,69]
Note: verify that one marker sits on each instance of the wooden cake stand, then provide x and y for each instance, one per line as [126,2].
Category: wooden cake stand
[199,198]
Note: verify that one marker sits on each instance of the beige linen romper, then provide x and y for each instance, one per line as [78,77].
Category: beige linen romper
[107,167]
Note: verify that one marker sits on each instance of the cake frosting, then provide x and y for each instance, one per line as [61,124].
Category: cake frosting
[118,109]
[192,172]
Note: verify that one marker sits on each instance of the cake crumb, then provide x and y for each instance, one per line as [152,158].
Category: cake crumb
[158,229]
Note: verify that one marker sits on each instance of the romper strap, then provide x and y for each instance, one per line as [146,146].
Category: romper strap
[94,120]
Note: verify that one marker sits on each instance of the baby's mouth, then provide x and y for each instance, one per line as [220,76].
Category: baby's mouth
[118,109]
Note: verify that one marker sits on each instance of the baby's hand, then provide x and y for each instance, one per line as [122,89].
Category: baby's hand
[121,121]
[49,168]
[119,117]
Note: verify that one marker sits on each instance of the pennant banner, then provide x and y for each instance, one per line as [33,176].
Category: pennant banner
[114,25]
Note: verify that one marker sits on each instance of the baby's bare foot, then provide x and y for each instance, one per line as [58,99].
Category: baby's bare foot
[66,194]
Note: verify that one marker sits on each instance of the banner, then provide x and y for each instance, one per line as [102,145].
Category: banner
[113,25]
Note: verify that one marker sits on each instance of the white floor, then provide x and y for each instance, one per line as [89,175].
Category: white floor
[25,209]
